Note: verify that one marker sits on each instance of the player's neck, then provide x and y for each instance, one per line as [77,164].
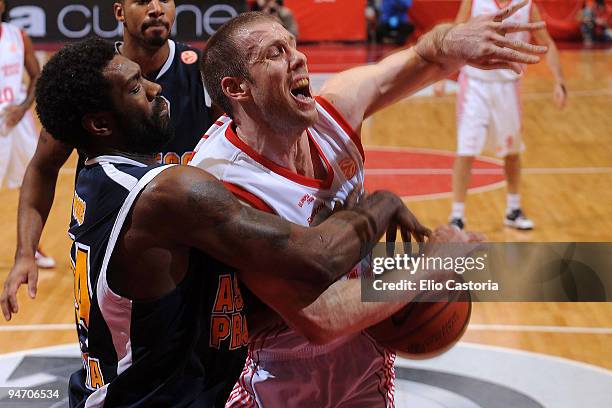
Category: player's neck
[290,150]
[150,59]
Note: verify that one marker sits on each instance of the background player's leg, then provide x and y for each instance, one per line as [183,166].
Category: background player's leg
[472,127]
[25,138]
[512,169]
[462,171]
[506,126]
[514,215]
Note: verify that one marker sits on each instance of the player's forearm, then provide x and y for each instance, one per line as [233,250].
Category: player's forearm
[35,200]
[339,311]
[29,100]
[400,75]
[552,59]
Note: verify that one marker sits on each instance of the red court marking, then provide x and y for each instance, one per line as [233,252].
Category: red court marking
[428,171]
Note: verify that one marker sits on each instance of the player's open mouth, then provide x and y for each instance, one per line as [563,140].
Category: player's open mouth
[301,90]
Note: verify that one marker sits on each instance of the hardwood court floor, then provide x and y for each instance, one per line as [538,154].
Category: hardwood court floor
[566,189]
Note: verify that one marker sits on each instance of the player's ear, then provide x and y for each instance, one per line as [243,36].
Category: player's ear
[235,88]
[118,11]
[97,124]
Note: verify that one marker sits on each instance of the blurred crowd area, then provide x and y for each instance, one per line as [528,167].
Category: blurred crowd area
[394,22]
[391,21]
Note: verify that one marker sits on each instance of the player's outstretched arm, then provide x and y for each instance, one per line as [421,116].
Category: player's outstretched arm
[339,310]
[359,92]
[287,266]
[552,58]
[35,200]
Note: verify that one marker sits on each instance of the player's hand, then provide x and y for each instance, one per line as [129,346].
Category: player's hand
[13,115]
[449,241]
[408,224]
[25,271]
[481,42]
[352,201]
[439,88]
[560,95]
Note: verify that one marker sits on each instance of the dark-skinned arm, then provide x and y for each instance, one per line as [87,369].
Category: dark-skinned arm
[35,200]
[286,265]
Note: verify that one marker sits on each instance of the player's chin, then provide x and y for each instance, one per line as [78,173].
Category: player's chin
[309,117]
[157,38]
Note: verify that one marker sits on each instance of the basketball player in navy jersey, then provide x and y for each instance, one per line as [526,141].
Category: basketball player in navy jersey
[283,150]
[158,307]
[147,26]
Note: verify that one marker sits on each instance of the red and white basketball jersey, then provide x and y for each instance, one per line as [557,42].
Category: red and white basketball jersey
[480,7]
[270,187]
[12,90]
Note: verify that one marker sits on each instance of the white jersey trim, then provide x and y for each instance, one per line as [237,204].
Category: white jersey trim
[115,309]
[114,159]
[168,62]
[97,398]
[123,179]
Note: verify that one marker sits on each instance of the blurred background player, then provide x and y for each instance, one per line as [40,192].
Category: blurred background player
[393,21]
[277,8]
[18,135]
[146,32]
[594,17]
[489,113]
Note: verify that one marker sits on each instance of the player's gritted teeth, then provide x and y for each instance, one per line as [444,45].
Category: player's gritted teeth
[300,90]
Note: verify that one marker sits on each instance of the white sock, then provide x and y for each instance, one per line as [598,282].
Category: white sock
[458,210]
[513,202]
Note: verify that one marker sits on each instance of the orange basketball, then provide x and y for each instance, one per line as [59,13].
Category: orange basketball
[425,329]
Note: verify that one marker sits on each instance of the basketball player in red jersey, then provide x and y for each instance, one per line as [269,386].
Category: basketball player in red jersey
[489,113]
[283,151]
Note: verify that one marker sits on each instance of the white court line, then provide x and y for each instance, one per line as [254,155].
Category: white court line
[475,327]
[450,96]
[526,170]
[542,329]
[37,327]
[535,170]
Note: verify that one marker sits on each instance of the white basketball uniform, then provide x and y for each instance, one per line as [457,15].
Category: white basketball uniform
[283,369]
[488,101]
[17,144]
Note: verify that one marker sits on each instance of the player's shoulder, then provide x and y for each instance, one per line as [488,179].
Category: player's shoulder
[175,181]
[187,55]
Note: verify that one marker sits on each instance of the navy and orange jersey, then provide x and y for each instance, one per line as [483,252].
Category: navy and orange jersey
[184,349]
[183,87]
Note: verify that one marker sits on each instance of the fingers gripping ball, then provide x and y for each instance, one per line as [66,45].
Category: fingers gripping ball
[425,329]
